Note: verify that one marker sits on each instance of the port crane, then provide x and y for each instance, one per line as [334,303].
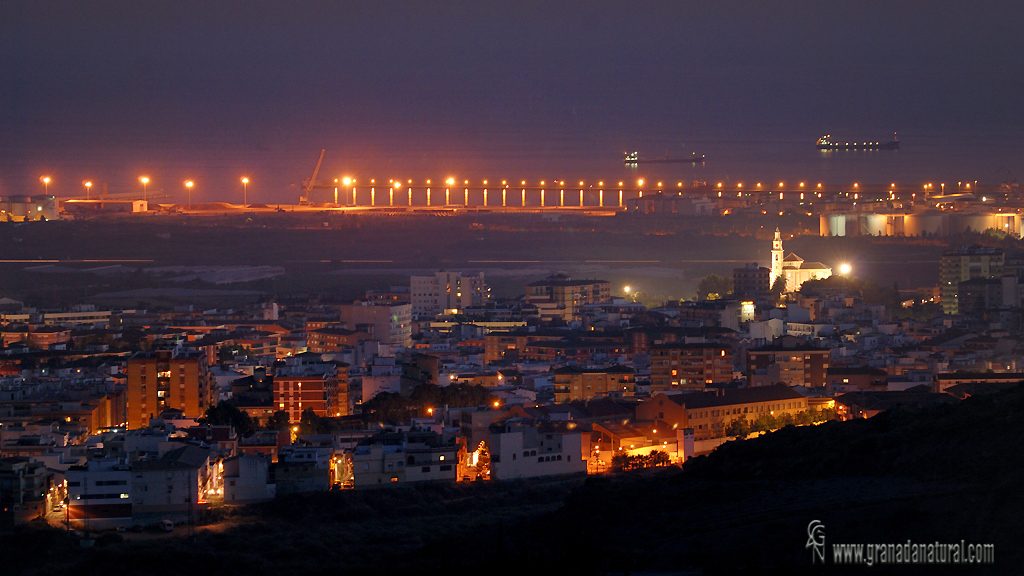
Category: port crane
[311,183]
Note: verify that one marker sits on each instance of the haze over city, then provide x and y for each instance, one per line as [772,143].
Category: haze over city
[194,90]
[510,288]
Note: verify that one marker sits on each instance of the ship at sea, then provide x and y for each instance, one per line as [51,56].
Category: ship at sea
[633,158]
[826,143]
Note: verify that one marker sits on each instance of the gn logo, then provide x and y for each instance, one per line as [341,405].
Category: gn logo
[816,541]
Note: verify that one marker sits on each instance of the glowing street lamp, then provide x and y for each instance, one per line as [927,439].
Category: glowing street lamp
[348,182]
[245,191]
[88,187]
[46,185]
[845,269]
[188,187]
[144,180]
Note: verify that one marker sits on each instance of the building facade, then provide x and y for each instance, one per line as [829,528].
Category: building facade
[574,383]
[789,362]
[752,281]
[709,414]
[306,383]
[527,449]
[967,263]
[392,458]
[559,296]
[325,340]
[680,366]
[793,268]
[432,295]
[391,324]
[161,380]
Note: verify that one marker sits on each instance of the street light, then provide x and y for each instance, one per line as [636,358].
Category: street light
[144,180]
[88,187]
[245,191]
[46,185]
[188,186]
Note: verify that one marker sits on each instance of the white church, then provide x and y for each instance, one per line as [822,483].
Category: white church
[793,268]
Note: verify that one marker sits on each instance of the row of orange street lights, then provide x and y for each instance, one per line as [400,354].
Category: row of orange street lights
[397,184]
[145,182]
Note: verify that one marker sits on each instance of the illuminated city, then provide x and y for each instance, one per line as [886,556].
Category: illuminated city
[572,288]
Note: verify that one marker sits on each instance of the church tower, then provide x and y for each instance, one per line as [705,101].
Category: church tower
[776,258]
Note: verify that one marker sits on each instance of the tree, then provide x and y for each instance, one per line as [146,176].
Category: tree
[765,423]
[738,428]
[387,407]
[229,353]
[778,288]
[312,423]
[658,458]
[621,462]
[279,421]
[624,462]
[227,414]
[714,287]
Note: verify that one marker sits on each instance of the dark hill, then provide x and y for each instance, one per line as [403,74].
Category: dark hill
[980,439]
[938,474]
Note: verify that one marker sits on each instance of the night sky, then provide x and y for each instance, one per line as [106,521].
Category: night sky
[214,90]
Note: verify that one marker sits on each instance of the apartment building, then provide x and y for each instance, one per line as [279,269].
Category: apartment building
[392,324]
[681,366]
[575,383]
[559,296]
[161,380]
[433,295]
[308,383]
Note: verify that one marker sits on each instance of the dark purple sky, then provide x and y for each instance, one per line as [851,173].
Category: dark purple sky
[212,90]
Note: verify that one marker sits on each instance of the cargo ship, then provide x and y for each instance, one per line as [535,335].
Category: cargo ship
[634,158]
[826,143]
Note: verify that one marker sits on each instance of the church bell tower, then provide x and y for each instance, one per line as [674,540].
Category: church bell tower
[776,258]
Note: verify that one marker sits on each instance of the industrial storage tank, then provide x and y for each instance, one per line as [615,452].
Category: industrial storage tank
[923,223]
[874,225]
[840,225]
[833,224]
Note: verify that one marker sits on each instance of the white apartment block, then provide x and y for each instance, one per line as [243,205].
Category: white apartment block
[432,295]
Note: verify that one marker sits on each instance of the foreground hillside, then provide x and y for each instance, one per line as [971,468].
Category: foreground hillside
[941,474]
